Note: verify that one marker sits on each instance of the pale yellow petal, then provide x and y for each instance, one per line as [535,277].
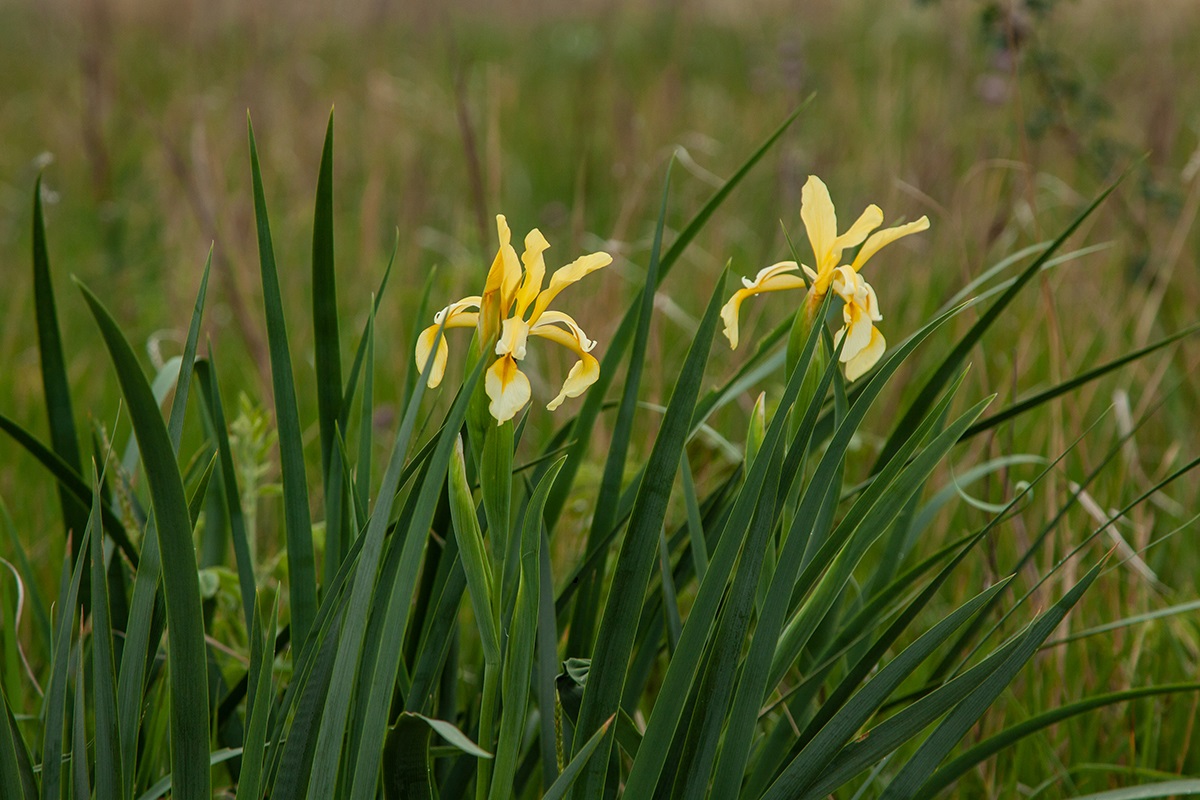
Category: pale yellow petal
[820,220]
[424,346]
[535,270]
[856,331]
[582,375]
[505,273]
[565,276]
[507,387]
[867,357]
[868,221]
[882,238]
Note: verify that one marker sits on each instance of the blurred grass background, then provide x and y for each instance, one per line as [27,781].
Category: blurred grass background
[998,120]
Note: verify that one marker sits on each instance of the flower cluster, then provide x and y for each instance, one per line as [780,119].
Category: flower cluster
[514,305]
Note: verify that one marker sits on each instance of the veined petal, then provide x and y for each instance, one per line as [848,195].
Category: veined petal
[582,375]
[565,276]
[867,357]
[820,220]
[535,270]
[775,278]
[882,238]
[552,319]
[507,387]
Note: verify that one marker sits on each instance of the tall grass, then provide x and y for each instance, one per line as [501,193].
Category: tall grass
[777,624]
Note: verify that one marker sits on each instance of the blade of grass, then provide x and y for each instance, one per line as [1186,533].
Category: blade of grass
[963,346]
[14,758]
[54,710]
[1009,736]
[81,782]
[258,707]
[181,586]
[919,768]
[109,784]
[64,437]
[585,420]
[302,580]
[581,631]
[41,612]
[635,562]
[571,771]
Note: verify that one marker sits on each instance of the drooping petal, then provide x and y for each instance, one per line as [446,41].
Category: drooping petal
[820,220]
[882,238]
[424,346]
[507,387]
[455,315]
[582,375]
[867,357]
[774,278]
[586,370]
[535,270]
[565,276]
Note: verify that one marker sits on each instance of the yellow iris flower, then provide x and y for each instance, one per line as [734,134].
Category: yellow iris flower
[513,307]
[864,343]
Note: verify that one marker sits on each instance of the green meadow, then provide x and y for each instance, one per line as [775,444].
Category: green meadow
[711,572]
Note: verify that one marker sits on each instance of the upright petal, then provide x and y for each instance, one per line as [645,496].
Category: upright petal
[535,270]
[882,238]
[505,273]
[565,276]
[513,333]
[507,387]
[868,221]
[820,220]
[866,358]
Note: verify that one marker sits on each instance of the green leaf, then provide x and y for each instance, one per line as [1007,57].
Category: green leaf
[163,785]
[81,784]
[69,479]
[406,774]
[210,392]
[1149,791]
[41,612]
[54,710]
[302,580]
[258,707]
[585,420]
[346,673]
[1043,397]
[187,659]
[109,785]
[63,435]
[918,769]
[635,562]
[184,381]
[14,758]
[587,597]
[571,771]
[1013,734]
[474,555]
